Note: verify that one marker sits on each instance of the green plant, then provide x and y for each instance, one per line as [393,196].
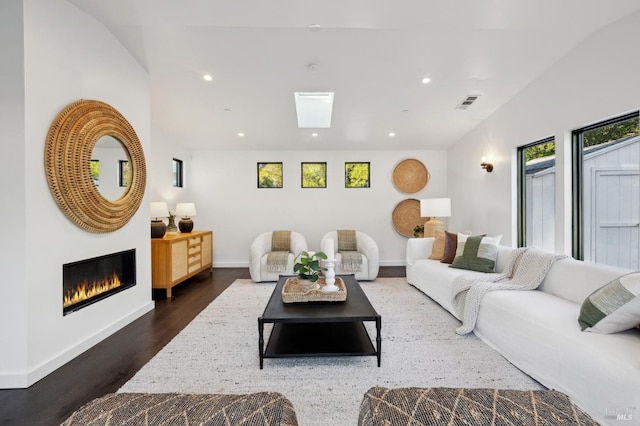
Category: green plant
[308,265]
[418,231]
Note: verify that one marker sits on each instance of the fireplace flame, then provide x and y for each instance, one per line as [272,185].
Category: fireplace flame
[87,290]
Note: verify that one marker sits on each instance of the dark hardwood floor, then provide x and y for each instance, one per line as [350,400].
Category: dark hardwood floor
[110,364]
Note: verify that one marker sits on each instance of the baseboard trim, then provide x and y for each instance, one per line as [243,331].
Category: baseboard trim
[245,264]
[19,381]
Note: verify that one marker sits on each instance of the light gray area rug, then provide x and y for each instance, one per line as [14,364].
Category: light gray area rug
[218,353]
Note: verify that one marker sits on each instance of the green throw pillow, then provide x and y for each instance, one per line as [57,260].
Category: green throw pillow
[477,253]
[614,307]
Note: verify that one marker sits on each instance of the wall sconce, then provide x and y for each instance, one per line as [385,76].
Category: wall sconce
[486,165]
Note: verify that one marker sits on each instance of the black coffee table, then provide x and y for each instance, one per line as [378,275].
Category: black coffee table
[319,328]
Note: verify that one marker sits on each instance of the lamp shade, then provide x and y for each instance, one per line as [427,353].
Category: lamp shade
[159,209]
[435,207]
[185,209]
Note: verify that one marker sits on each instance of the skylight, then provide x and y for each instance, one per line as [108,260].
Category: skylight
[314,109]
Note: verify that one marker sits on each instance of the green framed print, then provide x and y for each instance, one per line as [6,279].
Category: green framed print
[357,175]
[269,175]
[314,175]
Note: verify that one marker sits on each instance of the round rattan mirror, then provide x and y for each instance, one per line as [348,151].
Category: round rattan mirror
[67,158]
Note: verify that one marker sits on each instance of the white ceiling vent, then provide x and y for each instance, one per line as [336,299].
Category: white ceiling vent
[466,102]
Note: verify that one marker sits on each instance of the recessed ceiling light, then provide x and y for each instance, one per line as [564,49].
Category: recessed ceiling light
[426,80]
[241,134]
[207,77]
[314,134]
[313,109]
[392,134]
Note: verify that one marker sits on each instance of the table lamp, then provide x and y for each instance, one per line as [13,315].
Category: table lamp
[434,208]
[186,210]
[158,210]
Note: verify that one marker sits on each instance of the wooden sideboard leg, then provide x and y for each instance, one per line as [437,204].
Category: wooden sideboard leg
[168,292]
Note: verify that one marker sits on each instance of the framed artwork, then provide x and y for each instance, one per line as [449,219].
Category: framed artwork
[314,175]
[269,175]
[357,175]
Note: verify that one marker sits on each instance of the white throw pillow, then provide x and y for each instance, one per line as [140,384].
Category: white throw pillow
[614,307]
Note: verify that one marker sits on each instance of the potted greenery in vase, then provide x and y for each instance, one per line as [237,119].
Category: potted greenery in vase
[308,265]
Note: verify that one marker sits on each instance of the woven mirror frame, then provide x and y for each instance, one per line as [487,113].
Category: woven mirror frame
[67,158]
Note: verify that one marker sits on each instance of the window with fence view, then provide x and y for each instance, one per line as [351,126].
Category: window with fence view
[606,192]
[537,195]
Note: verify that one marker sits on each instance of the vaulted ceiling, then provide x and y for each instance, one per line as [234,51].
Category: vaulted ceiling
[372,54]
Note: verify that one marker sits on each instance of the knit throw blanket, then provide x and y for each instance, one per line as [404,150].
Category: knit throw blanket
[525,271]
[348,249]
[278,257]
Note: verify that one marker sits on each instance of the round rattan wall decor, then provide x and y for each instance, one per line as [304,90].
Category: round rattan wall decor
[410,176]
[67,158]
[406,215]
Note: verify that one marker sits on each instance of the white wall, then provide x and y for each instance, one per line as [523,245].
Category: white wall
[596,80]
[224,187]
[13,303]
[67,56]
[163,151]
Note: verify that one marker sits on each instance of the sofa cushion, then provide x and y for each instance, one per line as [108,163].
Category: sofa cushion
[437,252]
[476,253]
[450,247]
[435,280]
[586,277]
[614,307]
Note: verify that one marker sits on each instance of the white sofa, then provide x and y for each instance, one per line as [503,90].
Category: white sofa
[538,331]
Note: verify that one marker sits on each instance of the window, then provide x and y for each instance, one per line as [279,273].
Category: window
[356,175]
[537,194]
[178,173]
[124,173]
[314,175]
[269,175]
[95,172]
[606,192]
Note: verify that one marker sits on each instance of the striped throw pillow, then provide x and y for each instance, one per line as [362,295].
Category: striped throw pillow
[614,307]
[477,253]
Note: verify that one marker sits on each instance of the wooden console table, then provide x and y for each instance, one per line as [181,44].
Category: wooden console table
[176,257]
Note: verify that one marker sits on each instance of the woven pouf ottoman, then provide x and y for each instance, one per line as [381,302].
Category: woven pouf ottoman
[254,409]
[459,406]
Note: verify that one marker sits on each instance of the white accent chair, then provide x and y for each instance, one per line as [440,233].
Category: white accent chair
[370,256]
[261,246]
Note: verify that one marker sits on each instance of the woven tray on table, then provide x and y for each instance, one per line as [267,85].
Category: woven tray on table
[296,290]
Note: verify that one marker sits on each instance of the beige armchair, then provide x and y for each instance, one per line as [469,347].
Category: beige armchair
[260,249]
[366,246]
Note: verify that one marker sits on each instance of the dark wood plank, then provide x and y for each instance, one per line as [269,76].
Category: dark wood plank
[110,364]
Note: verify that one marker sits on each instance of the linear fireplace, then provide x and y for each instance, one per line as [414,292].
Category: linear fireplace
[88,281]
